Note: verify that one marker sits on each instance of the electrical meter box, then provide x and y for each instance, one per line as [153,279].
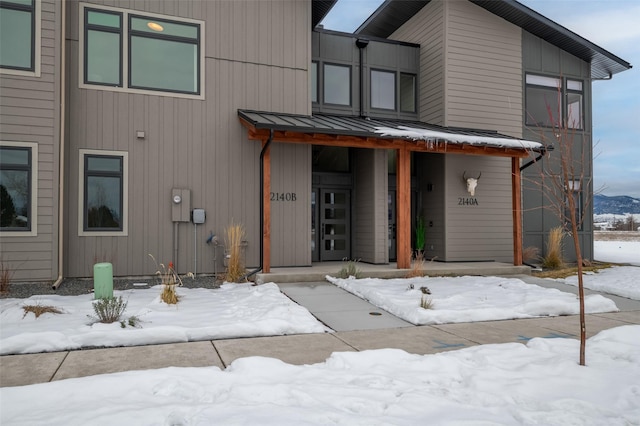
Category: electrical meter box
[198,216]
[180,205]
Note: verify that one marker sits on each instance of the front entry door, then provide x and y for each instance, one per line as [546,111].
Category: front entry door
[335,224]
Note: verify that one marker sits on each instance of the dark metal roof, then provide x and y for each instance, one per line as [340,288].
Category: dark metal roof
[319,9]
[365,127]
[392,14]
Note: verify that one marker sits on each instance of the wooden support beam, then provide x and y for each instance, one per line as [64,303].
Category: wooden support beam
[266,218]
[516,200]
[403,208]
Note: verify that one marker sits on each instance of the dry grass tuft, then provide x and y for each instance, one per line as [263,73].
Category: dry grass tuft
[38,310]
[350,269]
[572,270]
[553,258]
[6,274]
[530,254]
[233,241]
[417,266]
[169,280]
[426,302]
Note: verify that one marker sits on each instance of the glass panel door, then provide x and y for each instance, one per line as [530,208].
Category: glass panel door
[335,224]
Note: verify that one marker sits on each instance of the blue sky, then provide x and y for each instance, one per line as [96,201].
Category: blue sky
[611,24]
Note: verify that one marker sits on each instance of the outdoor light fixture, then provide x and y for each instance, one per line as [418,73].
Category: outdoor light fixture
[155,26]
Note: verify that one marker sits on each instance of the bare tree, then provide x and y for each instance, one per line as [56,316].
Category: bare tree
[567,188]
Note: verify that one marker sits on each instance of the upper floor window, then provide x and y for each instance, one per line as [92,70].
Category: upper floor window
[19,36]
[103,192]
[383,89]
[137,52]
[337,84]
[17,187]
[544,102]
[408,92]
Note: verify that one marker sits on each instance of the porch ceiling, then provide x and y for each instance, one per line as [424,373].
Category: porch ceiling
[335,130]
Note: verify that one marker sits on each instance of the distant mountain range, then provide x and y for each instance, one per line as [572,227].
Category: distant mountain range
[621,204]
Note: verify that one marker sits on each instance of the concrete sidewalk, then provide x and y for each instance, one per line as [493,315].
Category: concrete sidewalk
[18,370]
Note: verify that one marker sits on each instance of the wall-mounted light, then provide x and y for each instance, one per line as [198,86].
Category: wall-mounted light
[155,26]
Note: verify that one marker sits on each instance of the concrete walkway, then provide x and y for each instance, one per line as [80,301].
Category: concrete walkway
[356,330]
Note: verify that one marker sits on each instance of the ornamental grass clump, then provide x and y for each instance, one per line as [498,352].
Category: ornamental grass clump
[233,241]
[350,269]
[553,258]
[39,309]
[169,280]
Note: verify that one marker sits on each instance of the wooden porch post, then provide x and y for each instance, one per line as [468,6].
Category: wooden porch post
[266,218]
[403,208]
[516,199]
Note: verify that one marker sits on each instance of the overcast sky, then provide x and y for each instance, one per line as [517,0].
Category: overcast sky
[611,24]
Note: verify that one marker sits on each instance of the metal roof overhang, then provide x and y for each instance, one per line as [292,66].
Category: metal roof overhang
[392,14]
[319,9]
[348,131]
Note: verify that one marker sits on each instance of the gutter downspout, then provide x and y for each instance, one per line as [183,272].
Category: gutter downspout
[262,153]
[61,167]
[544,152]
[362,43]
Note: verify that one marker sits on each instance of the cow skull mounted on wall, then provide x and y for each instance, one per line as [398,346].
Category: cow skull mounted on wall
[471,183]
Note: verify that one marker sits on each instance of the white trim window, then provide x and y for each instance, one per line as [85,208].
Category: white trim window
[18,188]
[20,30]
[131,51]
[103,193]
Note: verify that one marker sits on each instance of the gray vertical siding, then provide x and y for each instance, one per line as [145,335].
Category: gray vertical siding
[30,112]
[427,29]
[256,57]
[540,57]
[370,226]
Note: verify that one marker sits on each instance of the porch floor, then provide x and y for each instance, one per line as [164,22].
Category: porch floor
[318,271]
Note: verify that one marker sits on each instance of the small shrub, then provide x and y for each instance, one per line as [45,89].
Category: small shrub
[553,258]
[233,241]
[108,310]
[132,321]
[38,310]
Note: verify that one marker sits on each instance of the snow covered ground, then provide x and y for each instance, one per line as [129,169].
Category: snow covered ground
[539,382]
[234,310]
[468,299]
[617,251]
[620,280]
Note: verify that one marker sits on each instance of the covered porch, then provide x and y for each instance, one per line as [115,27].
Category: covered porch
[404,137]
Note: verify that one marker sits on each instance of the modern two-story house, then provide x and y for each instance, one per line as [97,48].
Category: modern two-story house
[133,128]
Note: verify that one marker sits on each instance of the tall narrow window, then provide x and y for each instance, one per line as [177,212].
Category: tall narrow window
[314,81]
[16,188]
[103,48]
[543,101]
[574,104]
[17,34]
[407,92]
[103,193]
[337,84]
[383,89]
